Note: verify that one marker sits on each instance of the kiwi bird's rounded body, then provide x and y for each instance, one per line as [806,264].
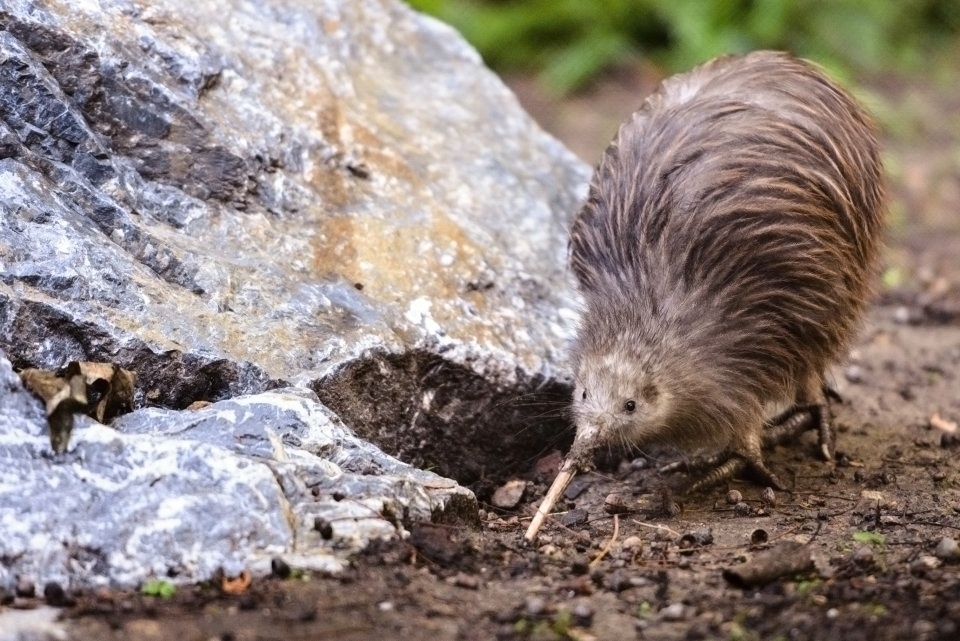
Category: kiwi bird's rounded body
[725,255]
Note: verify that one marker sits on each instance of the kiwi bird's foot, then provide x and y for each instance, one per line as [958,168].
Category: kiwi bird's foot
[719,468]
[802,417]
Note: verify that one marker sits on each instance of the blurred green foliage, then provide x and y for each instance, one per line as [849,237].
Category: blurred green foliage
[569,41]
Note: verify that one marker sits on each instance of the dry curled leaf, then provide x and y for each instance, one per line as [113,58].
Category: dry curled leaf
[109,387]
[101,390]
[63,398]
[236,585]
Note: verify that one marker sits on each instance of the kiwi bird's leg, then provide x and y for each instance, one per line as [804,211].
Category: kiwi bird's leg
[811,411]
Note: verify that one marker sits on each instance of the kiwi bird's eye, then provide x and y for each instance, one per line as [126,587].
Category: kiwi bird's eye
[629,406]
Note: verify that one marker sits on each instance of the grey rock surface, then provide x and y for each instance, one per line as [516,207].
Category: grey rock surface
[229,198]
[39,624]
[179,494]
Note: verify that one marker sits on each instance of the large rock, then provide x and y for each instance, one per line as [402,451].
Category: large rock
[331,200]
[179,494]
[227,196]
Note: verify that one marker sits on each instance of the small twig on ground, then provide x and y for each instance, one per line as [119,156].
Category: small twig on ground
[606,548]
[944,425]
[657,526]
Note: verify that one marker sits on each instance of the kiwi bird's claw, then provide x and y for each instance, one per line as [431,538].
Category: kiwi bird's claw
[800,418]
[723,471]
[723,467]
[830,394]
[825,434]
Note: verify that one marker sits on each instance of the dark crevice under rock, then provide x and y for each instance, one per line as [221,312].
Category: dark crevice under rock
[452,421]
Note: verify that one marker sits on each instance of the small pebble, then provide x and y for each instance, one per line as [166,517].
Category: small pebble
[948,550]
[768,497]
[741,509]
[696,539]
[734,497]
[854,374]
[686,543]
[535,606]
[248,601]
[574,517]
[580,566]
[54,595]
[583,614]
[25,588]
[949,440]
[640,582]
[632,543]
[462,580]
[924,564]
[279,568]
[674,612]
[617,582]
[548,466]
[577,487]
[947,629]
[549,550]
[759,536]
[863,555]
[907,316]
[508,495]
[923,629]
[614,504]
[324,527]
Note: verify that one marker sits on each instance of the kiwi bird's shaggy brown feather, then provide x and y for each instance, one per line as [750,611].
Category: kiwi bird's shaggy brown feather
[725,255]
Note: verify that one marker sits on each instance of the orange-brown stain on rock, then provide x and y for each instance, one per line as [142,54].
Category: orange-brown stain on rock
[400,258]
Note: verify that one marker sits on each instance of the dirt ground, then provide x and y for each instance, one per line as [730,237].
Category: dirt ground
[861,549]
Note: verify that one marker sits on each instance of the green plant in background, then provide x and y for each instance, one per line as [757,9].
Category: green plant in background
[159,588]
[568,42]
[875,539]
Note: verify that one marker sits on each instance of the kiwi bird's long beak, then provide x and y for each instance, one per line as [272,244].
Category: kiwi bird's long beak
[568,470]
[582,447]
